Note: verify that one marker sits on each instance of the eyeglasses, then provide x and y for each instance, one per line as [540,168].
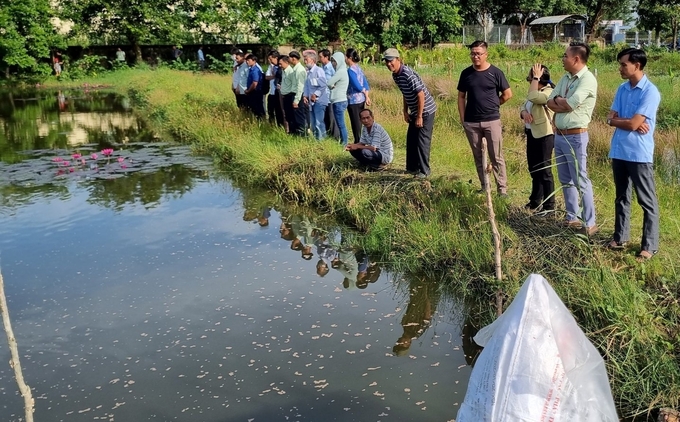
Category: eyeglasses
[477,54]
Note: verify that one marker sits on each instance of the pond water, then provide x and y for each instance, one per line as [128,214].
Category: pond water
[159,291]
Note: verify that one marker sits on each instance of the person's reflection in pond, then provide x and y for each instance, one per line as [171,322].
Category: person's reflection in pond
[302,229]
[324,251]
[263,218]
[286,231]
[349,267]
[61,100]
[471,350]
[423,299]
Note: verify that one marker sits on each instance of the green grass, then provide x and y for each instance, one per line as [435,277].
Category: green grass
[630,311]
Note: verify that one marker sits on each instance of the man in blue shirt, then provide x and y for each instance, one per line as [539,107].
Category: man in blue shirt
[316,95]
[633,114]
[201,59]
[254,84]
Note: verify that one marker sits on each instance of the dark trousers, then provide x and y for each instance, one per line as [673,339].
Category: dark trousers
[418,140]
[241,101]
[354,111]
[256,104]
[367,157]
[274,109]
[296,117]
[332,128]
[301,119]
[629,175]
[289,112]
[539,158]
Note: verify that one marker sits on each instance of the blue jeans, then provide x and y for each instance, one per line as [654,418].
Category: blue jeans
[339,113]
[570,156]
[317,112]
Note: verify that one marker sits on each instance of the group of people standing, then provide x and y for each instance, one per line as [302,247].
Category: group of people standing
[316,94]
[305,90]
[556,117]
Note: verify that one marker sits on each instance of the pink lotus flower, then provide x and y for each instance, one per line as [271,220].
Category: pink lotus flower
[76,156]
[107,151]
[123,166]
[71,169]
[65,163]
[94,156]
[121,159]
[57,159]
[82,161]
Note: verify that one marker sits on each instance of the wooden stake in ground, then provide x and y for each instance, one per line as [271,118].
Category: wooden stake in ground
[24,389]
[494,229]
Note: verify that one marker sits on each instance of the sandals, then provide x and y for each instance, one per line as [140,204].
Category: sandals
[645,255]
[614,245]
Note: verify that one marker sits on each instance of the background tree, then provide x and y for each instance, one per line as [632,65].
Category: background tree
[524,11]
[27,35]
[137,21]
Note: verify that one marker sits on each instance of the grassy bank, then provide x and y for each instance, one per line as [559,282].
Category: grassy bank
[631,311]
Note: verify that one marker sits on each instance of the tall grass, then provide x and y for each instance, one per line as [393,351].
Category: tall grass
[629,310]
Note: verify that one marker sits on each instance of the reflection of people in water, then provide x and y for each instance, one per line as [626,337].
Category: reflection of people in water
[61,100]
[263,218]
[423,299]
[303,240]
[325,252]
[348,266]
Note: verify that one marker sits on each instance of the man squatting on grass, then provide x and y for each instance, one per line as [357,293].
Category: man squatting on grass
[419,111]
[482,89]
[573,101]
[374,148]
[633,114]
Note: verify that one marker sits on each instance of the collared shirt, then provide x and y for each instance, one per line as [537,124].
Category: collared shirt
[300,76]
[243,71]
[271,71]
[255,75]
[315,84]
[410,85]
[380,139]
[644,99]
[580,90]
[201,57]
[288,81]
[329,70]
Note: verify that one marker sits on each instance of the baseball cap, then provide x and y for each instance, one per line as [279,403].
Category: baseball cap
[391,54]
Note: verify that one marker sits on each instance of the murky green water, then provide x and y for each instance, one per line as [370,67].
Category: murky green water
[163,293]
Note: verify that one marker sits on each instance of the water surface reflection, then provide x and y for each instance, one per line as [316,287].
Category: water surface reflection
[172,295]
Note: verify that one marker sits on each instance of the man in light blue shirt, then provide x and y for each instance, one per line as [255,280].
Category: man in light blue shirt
[316,94]
[201,59]
[633,114]
[331,127]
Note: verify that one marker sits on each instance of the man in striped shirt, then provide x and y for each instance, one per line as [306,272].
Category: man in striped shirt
[419,111]
[374,148]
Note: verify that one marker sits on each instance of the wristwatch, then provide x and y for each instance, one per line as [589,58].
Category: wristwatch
[609,122]
[536,79]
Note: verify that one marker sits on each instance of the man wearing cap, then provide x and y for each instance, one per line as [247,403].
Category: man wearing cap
[299,107]
[419,111]
[573,101]
[482,89]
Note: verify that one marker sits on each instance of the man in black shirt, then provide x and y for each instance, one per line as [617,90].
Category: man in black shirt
[482,89]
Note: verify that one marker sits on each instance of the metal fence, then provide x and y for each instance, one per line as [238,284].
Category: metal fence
[495,34]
